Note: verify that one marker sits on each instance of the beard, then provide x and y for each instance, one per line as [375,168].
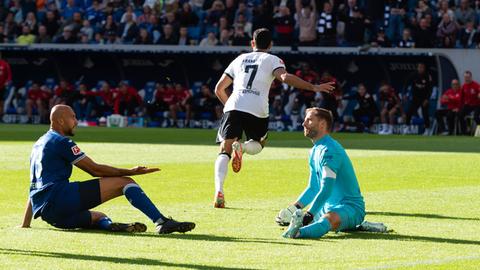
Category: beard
[310,133]
[70,132]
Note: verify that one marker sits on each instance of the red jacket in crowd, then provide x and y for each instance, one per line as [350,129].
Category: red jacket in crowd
[36,93]
[452,99]
[167,95]
[470,94]
[126,94]
[5,73]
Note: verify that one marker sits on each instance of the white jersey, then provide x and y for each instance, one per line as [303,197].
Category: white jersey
[252,75]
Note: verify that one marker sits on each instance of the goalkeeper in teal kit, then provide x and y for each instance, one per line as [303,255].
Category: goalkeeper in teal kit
[333,193]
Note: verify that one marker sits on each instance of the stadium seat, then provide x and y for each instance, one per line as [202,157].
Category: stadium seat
[194,32]
[50,83]
[148,92]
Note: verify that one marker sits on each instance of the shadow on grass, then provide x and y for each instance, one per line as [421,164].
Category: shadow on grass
[395,214]
[97,258]
[31,133]
[400,237]
[188,236]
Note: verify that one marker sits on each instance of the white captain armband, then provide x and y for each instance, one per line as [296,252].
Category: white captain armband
[328,173]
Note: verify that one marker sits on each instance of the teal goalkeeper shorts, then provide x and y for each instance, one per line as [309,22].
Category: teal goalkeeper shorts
[350,216]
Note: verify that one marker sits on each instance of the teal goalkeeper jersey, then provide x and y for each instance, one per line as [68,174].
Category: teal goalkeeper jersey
[345,189]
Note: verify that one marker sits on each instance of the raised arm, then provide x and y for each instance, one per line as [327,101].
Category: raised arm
[27,216]
[221,88]
[101,170]
[282,75]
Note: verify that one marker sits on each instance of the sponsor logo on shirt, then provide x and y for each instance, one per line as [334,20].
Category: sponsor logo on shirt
[76,150]
[248,91]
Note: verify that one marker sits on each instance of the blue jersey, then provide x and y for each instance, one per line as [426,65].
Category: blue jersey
[51,165]
[344,189]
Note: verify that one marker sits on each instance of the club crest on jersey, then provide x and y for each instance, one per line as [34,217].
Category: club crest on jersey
[76,150]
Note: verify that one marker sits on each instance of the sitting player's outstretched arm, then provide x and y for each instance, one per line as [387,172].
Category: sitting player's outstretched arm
[282,75]
[221,88]
[309,193]
[100,170]
[326,188]
[27,217]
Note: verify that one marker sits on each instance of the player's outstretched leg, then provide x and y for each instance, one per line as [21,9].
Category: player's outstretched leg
[112,187]
[103,222]
[221,169]
[237,156]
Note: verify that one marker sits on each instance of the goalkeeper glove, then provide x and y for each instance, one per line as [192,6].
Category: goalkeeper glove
[285,215]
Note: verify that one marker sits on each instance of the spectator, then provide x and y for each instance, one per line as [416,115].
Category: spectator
[168,37]
[470,101]
[390,107]
[184,38]
[422,10]
[103,102]
[95,14]
[145,16]
[420,85]
[446,32]
[230,10]
[330,101]
[128,30]
[326,26]
[284,24]
[469,37]
[214,14]
[407,40]
[263,15]
[209,41]
[276,109]
[225,39]
[424,37]
[207,104]
[170,18]
[355,28]
[43,36]
[165,99]
[239,37]
[445,9]
[126,100]
[111,38]
[67,37]
[129,13]
[143,37]
[26,38]
[397,12]
[5,79]
[247,26]
[183,103]
[452,100]
[367,110]
[63,94]
[464,13]
[381,40]
[84,104]
[87,29]
[154,28]
[109,25]
[187,17]
[307,74]
[31,22]
[307,20]
[244,11]
[69,9]
[37,99]
[51,23]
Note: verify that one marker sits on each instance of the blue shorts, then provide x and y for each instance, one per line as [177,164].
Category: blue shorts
[69,204]
[350,216]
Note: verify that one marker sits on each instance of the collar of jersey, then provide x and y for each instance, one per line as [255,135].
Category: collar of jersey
[322,140]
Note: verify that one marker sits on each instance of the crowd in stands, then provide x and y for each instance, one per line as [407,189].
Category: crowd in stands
[382,23]
[355,107]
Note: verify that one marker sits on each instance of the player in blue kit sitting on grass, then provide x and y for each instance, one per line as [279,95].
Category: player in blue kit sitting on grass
[67,205]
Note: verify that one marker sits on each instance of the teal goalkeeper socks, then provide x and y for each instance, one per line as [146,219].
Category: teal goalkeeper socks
[316,229]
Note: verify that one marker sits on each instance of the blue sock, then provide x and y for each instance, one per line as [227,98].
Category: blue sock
[139,200]
[316,229]
[104,223]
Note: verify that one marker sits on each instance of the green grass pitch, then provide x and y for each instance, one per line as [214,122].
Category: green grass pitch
[426,189]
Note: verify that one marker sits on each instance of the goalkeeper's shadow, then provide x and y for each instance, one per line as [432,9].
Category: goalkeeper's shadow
[399,237]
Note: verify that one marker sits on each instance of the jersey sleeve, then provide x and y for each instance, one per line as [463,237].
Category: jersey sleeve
[70,151]
[230,70]
[332,159]
[276,63]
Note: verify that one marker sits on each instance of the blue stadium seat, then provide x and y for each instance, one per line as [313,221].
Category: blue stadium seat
[194,32]
[148,92]
[50,83]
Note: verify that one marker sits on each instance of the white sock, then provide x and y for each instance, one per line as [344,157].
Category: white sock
[252,147]
[221,168]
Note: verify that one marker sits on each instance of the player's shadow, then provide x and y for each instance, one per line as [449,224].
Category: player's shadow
[419,215]
[117,260]
[190,236]
[401,237]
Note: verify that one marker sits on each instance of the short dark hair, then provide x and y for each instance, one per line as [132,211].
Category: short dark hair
[262,38]
[323,114]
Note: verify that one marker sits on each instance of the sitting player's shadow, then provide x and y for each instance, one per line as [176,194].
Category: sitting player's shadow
[189,236]
[418,215]
[395,236]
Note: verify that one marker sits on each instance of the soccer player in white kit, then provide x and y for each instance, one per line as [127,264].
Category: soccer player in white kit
[246,109]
